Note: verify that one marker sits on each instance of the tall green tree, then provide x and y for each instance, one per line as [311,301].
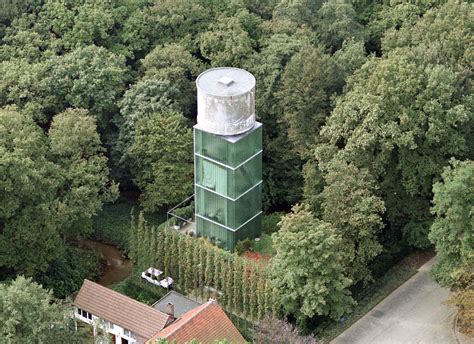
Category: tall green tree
[226,43]
[132,241]
[76,149]
[209,267]
[162,157]
[223,282]
[282,181]
[229,285]
[167,239]
[306,268]
[239,286]
[337,22]
[29,236]
[22,304]
[174,63]
[189,268]
[202,269]
[181,258]
[141,101]
[452,231]
[353,208]
[309,81]
[401,120]
[253,287]
[88,77]
[139,246]
[171,21]
[153,246]
[25,85]
[299,11]
[195,277]
[218,272]
[261,298]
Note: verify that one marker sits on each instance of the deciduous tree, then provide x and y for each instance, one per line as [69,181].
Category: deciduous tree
[453,227]
[353,208]
[226,43]
[88,77]
[29,236]
[162,158]
[85,186]
[23,303]
[306,268]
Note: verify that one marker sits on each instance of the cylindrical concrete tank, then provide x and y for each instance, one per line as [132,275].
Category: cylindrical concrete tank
[226,101]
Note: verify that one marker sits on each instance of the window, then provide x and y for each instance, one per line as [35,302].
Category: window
[84,314]
[107,325]
[127,333]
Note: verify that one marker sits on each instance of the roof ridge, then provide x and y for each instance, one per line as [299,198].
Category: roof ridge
[123,295]
[208,303]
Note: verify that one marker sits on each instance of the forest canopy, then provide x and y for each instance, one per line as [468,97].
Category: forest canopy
[367,109]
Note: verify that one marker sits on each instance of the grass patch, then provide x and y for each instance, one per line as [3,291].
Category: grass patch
[139,290]
[112,224]
[368,299]
[265,245]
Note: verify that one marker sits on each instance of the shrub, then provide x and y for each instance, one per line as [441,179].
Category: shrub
[135,289]
[66,273]
[270,222]
[185,212]
[243,246]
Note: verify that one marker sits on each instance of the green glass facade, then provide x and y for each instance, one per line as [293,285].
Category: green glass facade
[228,185]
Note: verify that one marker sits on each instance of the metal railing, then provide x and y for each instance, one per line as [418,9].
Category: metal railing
[171,212]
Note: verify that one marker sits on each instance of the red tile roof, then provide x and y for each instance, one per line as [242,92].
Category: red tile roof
[206,323]
[107,304]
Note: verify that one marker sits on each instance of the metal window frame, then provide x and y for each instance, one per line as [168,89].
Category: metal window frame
[226,227]
[227,166]
[227,197]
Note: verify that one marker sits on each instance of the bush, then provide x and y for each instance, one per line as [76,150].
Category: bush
[138,290]
[270,222]
[112,224]
[67,272]
[243,246]
[185,212]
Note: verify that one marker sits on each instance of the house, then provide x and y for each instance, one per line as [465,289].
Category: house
[174,317]
[127,320]
[205,323]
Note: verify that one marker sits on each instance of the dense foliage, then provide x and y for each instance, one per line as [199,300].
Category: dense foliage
[203,270]
[452,229]
[52,184]
[29,313]
[363,105]
[307,267]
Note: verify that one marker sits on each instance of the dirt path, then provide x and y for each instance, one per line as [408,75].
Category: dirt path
[116,269]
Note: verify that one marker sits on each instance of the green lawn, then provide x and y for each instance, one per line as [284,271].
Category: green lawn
[112,224]
[264,246]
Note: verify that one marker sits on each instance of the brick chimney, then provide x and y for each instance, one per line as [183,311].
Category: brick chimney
[170,309]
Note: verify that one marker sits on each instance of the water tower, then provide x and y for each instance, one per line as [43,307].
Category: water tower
[227,157]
